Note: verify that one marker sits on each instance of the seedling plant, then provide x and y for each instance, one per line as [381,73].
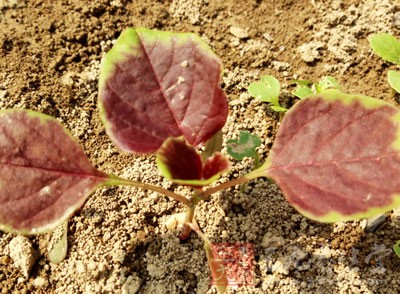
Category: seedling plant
[334,157]
[387,47]
[305,87]
[268,90]
[396,248]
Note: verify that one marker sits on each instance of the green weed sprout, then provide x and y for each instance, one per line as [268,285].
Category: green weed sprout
[245,146]
[387,47]
[305,87]
[268,90]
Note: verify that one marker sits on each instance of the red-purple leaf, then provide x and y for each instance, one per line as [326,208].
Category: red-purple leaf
[44,174]
[181,163]
[336,156]
[215,165]
[178,160]
[154,85]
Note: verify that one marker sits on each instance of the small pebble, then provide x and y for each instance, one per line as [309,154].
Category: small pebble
[268,37]
[23,254]
[396,20]
[239,32]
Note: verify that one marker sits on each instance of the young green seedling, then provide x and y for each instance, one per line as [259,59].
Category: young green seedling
[335,157]
[267,89]
[387,47]
[245,146]
[305,87]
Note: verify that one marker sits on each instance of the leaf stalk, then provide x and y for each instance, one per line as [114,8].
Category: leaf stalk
[115,180]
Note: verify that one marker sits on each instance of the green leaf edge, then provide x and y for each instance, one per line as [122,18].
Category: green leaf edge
[306,83]
[376,41]
[33,114]
[336,95]
[264,81]
[163,168]
[302,91]
[122,50]
[396,248]
[394,80]
[326,83]
[279,108]
[64,218]
[334,216]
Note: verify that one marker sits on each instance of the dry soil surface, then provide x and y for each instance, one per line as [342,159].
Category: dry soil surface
[50,53]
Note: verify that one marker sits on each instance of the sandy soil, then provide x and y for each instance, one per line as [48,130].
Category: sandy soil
[50,53]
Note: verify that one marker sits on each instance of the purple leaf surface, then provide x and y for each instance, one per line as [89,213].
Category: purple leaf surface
[337,156]
[182,164]
[214,165]
[44,174]
[177,160]
[154,85]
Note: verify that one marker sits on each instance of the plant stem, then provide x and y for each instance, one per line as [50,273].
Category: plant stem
[190,211]
[195,227]
[206,194]
[256,159]
[281,115]
[257,173]
[216,264]
[114,180]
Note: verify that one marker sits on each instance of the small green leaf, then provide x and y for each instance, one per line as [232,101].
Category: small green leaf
[396,248]
[278,108]
[327,83]
[302,91]
[394,80]
[243,147]
[301,82]
[386,46]
[58,246]
[212,146]
[266,90]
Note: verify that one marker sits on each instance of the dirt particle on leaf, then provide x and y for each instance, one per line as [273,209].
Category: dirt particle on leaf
[185,63]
